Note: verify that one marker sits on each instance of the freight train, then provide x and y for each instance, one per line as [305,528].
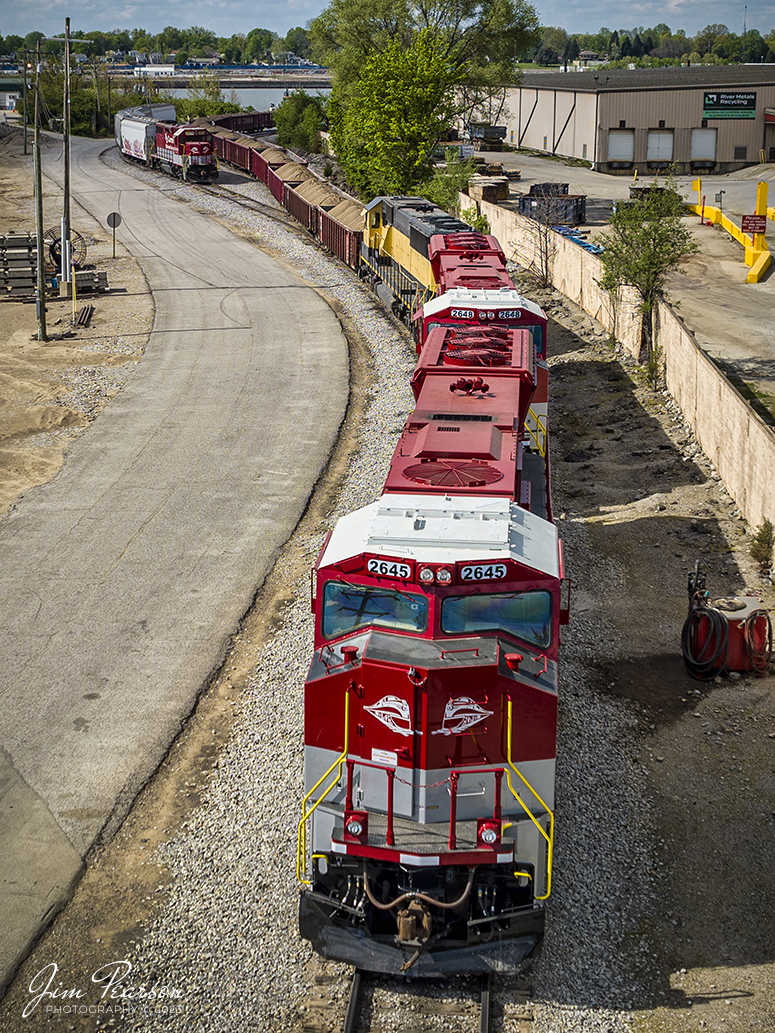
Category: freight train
[426,832]
[150,135]
[426,838]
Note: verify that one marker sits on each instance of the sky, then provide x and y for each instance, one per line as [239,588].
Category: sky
[226,17]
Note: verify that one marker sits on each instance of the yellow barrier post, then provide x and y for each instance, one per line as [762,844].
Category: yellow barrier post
[761,209]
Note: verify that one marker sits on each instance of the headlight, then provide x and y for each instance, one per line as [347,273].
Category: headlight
[426,575]
[489,836]
[443,576]
[354,828]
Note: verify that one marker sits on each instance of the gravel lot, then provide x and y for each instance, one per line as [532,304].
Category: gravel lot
[656,919]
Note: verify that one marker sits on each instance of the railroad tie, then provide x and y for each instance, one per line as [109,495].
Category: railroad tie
[84,315]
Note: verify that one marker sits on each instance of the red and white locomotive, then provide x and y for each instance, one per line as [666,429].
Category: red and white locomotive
[150,135]
[426,836]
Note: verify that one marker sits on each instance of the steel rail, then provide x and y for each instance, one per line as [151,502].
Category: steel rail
[353,1006]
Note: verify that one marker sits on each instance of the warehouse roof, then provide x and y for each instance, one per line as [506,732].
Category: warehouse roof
[617,80]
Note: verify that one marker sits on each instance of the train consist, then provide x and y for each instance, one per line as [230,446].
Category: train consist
[150,135]
[430,706]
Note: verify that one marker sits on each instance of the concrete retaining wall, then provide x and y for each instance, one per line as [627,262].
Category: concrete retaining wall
[573,271]
[733,436]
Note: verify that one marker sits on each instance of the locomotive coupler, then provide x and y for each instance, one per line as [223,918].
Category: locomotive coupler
[414,924]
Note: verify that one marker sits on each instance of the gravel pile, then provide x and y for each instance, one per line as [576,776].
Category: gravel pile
[227,937]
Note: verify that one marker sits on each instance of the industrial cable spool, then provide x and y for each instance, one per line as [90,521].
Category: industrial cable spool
[452,473]
[722,635]
[52,249]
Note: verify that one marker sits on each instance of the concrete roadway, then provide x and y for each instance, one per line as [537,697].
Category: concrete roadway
[122,579]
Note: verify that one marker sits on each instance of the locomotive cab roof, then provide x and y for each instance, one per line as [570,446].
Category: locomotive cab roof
[438,529]
[465,297]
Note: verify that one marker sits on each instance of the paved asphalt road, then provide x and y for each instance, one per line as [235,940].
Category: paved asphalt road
[122,580]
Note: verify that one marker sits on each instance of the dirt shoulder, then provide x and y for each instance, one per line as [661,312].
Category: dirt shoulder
[52,390]
[627,469]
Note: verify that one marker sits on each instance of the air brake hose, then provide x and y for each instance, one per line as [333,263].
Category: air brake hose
[759,655]
[419,896]
[701,658]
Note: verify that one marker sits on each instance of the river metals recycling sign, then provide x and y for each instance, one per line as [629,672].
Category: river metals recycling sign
[729,105]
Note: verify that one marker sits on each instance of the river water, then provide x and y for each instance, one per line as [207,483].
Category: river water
[256,99]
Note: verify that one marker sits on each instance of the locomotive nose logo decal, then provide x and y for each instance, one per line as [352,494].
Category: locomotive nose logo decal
[460,714]
[394,712]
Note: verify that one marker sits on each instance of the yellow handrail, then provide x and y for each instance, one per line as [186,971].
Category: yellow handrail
[301,839]
[539,439]
[549,837]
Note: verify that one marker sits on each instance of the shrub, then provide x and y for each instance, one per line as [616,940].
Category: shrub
[761,546]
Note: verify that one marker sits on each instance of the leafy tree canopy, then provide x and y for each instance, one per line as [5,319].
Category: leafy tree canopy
[297,41]
[299,119]
[259,43]
[403,105]
[468,32]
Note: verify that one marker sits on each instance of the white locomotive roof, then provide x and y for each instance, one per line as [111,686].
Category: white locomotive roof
[445,529]
[465,297]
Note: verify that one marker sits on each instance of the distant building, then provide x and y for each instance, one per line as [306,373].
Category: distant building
[712,118]
[155,71]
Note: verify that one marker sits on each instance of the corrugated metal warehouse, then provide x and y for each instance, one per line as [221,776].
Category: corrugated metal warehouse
[709,118]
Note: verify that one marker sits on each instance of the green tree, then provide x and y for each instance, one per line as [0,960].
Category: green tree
[13,45]
[404,104]
[169,39]
[297,41]
[706,37]
[446,184]
[197,38]
[646,242]
[298,120]
[258,44]
[571,51]
[471,33]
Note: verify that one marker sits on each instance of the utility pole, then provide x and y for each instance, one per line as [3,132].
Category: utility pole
[41,290]
[66,265]
[745,19]
[24,116]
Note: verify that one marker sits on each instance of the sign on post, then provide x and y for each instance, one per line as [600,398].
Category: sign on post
[754,224]
[114,219]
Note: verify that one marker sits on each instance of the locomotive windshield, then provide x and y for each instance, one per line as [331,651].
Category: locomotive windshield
[526,615]
[347,607]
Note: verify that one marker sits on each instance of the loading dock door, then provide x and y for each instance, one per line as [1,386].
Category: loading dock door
[704,144]
[621,144]
[660,145]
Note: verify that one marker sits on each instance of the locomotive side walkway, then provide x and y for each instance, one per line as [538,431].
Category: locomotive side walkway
[123,578]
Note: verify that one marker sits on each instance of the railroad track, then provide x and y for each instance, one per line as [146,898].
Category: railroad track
[369,1002]
[423,1003]
[278,214]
